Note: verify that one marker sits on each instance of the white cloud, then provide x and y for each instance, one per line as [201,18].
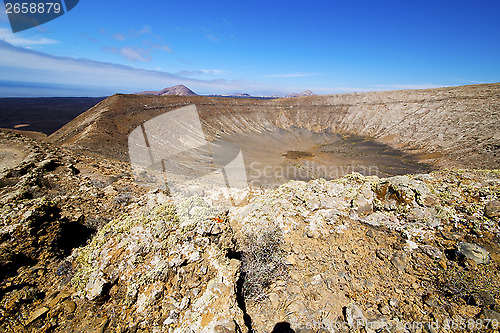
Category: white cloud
[213,71]
[212,37]
[89,37]
[143,31]
[202,71]
[119,37]
[184,61]
[156,46]
[132,34]
[15,39]
[162,48]
[135,54]
[131,53]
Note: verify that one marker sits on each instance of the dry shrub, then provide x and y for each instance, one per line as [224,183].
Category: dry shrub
[263,262]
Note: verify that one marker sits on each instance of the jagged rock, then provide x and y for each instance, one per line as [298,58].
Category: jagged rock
[37,314]
[61,296]
[354,316]
[274,298]
[424,196]
[482,299]
[48,164]
[432,252]
[94,325]
[382,254]
[403,190]
[473,252]
[429,216]
[216,306]
[454,236]
[430,300]
[492,209]
[395,190]
[365,209]
[398,260]
[95,287]
[443,264]
[153,249]
[216,230]
[69,306]
[381,219]
[393,302]
[225,326]
[430,328]
[384,309]
[489,314]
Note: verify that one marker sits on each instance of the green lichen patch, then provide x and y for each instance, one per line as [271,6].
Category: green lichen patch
[195,211]
[159,221]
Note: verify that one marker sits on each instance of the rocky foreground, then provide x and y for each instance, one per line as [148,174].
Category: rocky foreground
[84,250]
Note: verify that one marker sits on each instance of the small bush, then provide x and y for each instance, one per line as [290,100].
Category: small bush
[457,282]
[262,263]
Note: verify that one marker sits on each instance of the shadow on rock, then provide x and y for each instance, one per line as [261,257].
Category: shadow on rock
[283,327]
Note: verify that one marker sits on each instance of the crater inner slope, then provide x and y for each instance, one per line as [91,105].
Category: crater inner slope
[384,133]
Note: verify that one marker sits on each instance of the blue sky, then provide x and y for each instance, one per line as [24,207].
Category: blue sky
[259,47]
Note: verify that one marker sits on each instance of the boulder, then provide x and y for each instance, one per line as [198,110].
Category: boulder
[473,252]
[492,209]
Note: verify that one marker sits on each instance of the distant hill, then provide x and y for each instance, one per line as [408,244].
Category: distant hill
[243,95]
[179,90]
[302,94]
[235,95]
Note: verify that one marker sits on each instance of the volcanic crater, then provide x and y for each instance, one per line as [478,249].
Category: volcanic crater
[377,133]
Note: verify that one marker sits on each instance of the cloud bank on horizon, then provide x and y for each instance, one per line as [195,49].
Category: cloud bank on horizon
[31,73]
